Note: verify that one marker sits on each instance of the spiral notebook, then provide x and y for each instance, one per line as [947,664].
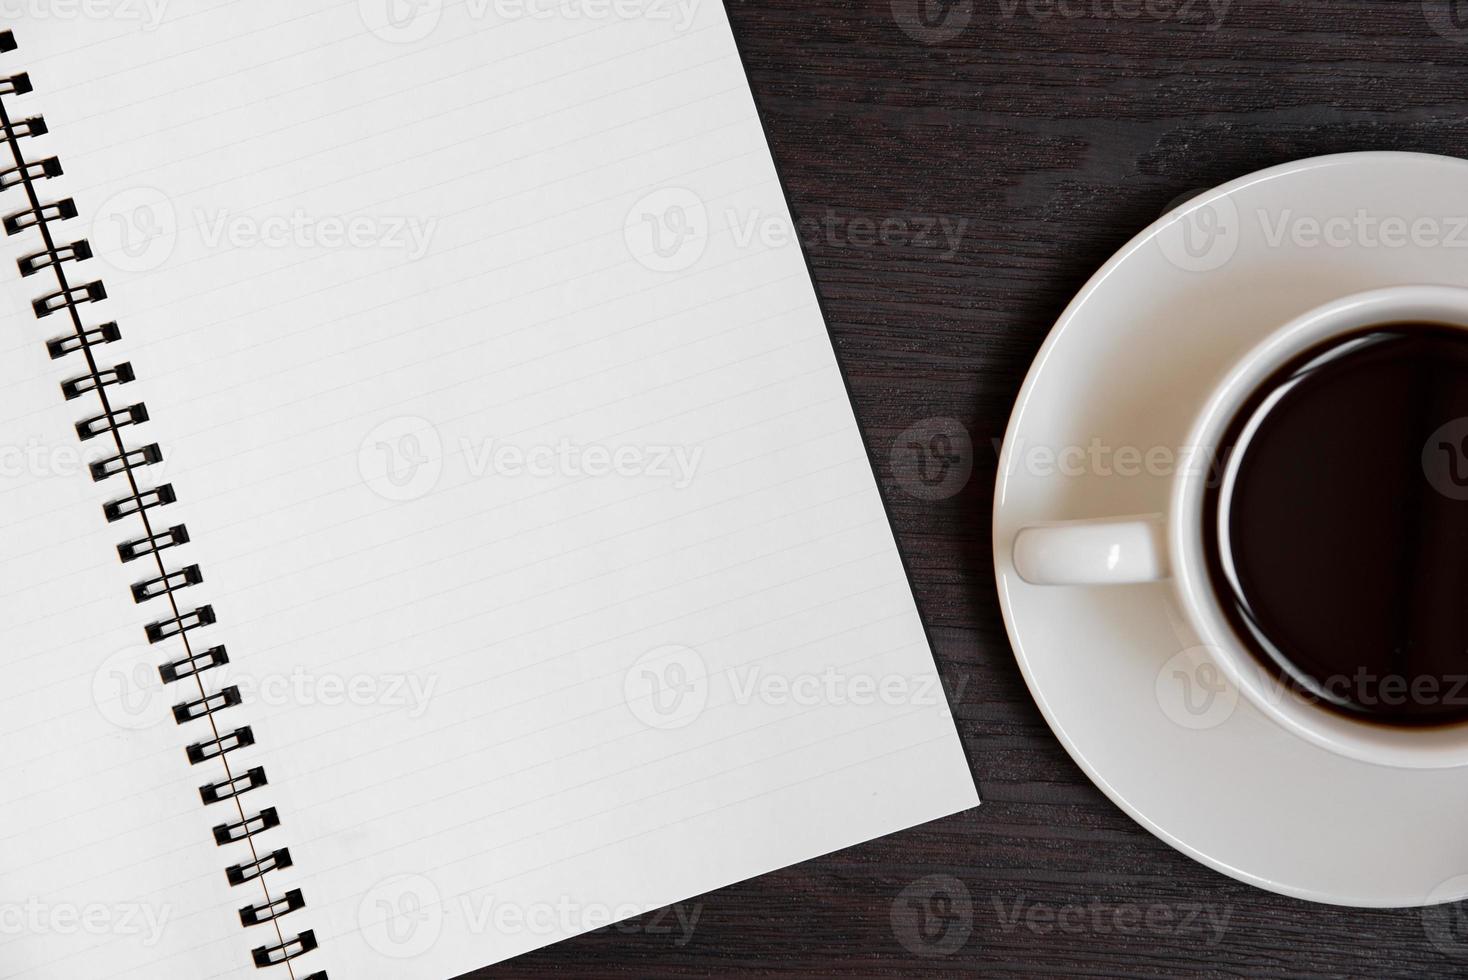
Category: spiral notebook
[431,528]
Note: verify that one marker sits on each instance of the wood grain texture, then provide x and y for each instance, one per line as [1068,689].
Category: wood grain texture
[1048,134]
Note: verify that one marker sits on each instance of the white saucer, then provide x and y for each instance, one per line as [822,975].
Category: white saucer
[1110,667]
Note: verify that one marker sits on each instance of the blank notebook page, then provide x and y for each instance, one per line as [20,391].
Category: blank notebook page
[514,453]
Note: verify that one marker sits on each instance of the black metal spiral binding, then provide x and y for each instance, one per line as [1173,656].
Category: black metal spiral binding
[253,915]
[68,300]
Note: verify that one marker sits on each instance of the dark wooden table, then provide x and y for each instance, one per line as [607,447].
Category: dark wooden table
[959,168]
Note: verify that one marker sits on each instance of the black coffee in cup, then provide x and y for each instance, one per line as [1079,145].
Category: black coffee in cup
[1336,525]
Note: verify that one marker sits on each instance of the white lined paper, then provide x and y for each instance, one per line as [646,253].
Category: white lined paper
[495,705]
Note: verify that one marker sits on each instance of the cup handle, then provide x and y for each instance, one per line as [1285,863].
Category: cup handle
[1115,551]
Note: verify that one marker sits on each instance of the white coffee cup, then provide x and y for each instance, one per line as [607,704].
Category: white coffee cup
[1170,546]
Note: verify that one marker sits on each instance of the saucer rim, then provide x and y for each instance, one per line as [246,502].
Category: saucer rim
[1003,572]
